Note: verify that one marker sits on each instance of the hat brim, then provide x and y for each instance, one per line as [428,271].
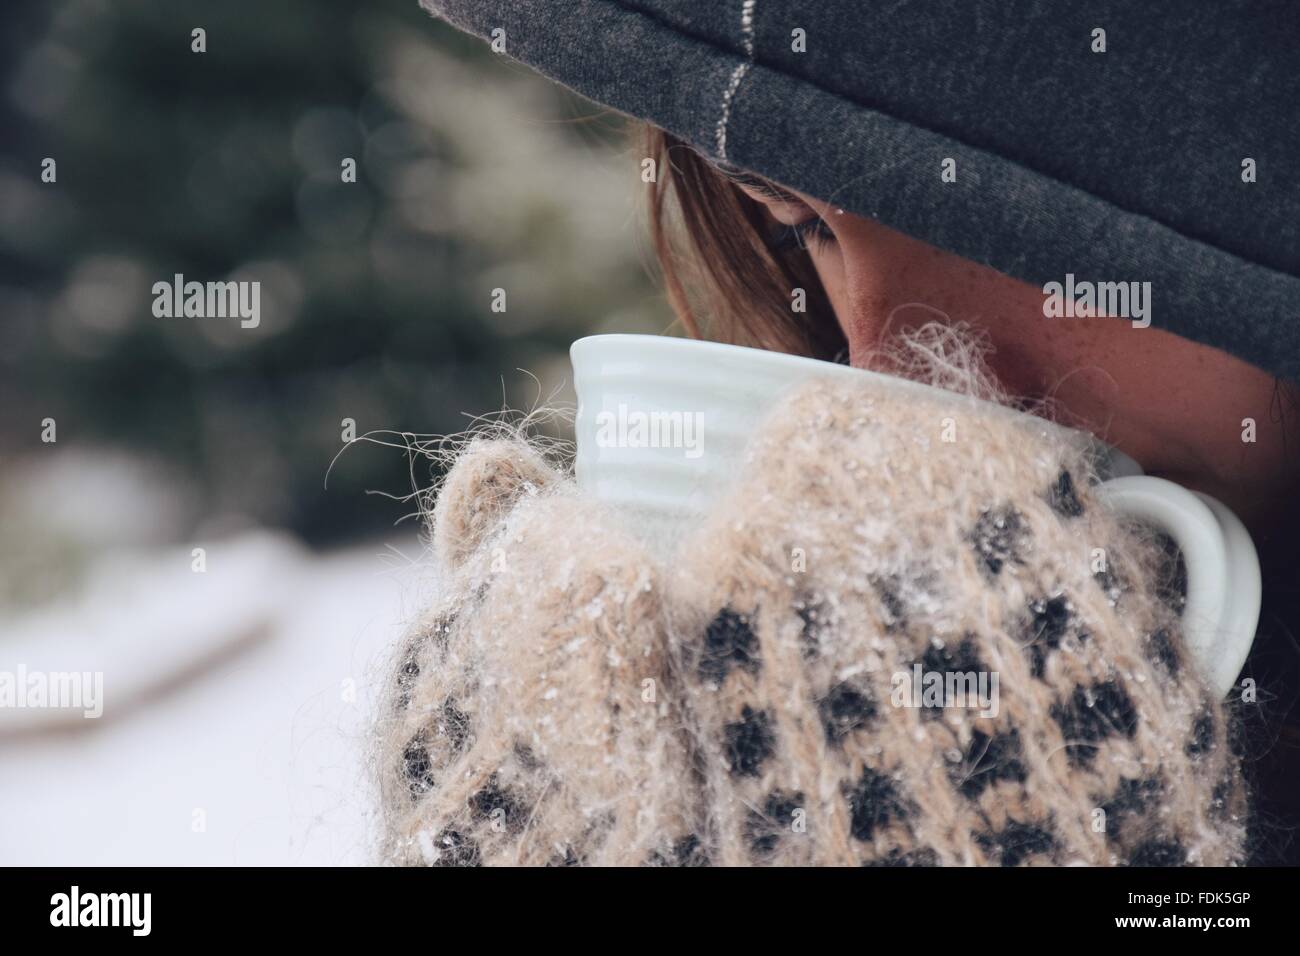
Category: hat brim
[997,210]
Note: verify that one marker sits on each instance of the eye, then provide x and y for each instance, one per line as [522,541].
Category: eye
[794,223]
[803,235]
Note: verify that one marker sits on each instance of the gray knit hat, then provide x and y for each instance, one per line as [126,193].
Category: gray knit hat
[1155,142]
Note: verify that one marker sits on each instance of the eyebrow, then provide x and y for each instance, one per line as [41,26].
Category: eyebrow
[758,184]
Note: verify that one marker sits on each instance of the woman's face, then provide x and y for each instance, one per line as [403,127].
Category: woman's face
[1175,406]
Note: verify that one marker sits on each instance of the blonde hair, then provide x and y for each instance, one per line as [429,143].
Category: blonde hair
[716,260]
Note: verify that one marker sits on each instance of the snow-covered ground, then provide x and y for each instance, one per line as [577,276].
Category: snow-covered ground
[236,706]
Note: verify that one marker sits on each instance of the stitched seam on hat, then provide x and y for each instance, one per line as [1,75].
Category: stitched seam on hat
[738,74]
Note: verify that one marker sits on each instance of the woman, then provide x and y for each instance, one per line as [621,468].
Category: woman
[970,166]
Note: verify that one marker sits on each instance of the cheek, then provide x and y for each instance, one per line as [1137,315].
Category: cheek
[1184,402]
[871,274]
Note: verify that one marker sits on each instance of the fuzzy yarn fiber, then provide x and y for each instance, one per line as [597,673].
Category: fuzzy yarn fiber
[570,699]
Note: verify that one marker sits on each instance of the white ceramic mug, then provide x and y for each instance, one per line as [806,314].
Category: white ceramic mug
[704,401]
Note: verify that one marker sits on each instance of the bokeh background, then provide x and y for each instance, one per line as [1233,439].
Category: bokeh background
[238,696]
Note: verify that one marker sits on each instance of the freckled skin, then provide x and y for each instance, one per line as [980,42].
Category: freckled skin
[1175,406]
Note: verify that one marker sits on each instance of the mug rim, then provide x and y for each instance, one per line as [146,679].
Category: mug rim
[1119,462]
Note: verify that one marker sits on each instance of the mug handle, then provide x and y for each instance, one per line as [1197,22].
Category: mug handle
[1223,576]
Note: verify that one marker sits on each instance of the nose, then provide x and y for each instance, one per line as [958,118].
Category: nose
[883,284]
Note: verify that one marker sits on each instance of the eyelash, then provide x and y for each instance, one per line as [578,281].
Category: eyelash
[802,235]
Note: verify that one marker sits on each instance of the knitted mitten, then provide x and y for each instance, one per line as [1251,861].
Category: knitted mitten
[862,558]
[526,725]
[909,637]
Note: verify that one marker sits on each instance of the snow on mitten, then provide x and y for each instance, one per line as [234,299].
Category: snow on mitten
[530,724]
[862,557]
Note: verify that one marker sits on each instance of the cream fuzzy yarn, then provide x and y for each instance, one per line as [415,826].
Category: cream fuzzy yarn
[572,700]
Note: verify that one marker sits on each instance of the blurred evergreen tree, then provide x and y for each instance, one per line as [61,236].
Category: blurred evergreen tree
[376,295]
